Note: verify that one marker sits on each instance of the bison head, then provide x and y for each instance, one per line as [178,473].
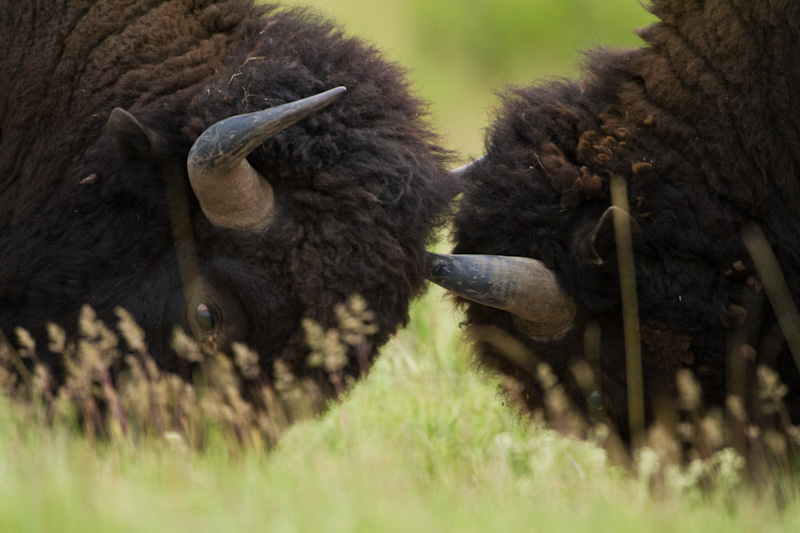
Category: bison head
[201,165]
[692,124]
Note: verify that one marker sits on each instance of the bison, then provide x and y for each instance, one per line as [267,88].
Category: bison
[703,126]
[201,164]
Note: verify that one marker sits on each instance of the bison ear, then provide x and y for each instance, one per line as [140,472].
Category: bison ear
[603,240]
[132,140]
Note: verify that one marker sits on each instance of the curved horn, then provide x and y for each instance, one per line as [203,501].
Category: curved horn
[520,285]
[232,194]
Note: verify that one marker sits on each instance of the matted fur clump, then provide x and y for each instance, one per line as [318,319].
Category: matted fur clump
[358,186]
[703,123]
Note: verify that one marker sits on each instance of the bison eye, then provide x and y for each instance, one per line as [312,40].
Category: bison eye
[205,317]
[595,401]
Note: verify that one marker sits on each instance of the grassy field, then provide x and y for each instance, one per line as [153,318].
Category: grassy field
[424,443]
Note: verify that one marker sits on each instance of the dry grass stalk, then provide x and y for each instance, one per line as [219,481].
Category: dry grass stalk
[113,390]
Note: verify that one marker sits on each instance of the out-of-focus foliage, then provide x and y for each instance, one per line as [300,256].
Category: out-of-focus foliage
[459,52]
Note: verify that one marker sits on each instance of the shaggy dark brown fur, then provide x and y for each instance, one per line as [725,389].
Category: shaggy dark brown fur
[704,125]
[359,186]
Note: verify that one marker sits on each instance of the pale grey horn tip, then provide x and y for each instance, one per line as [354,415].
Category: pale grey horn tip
[463,169]
[330,95]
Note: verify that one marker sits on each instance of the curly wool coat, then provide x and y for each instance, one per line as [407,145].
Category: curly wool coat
[703,124]
[359,185]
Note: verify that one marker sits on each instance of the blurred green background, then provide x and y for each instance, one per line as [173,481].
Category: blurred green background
[459,52]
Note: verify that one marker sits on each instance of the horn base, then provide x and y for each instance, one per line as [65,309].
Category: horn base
[246,205]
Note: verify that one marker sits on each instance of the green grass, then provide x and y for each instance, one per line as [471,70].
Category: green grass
[424,443]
